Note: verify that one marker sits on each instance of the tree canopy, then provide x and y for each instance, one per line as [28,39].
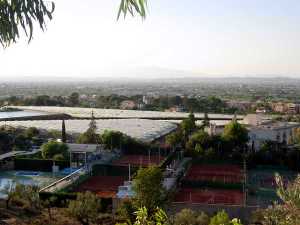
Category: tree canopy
[90,136]
[52,149]
[148,188]
[236,134]
[188,125]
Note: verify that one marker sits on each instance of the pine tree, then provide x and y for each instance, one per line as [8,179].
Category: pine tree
[92,125]
[90,136]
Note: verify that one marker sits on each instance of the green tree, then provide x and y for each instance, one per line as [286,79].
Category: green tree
[112,139]
[236,134]
[90,136]
[174,139]
[74,99]
[63,132]
[31,132]
[53,148]
[201,138]
[188,125]
[148,187]
[85,208]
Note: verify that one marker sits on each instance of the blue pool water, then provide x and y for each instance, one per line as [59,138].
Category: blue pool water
[27,173]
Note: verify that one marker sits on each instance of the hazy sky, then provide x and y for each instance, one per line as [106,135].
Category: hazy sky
[217,37]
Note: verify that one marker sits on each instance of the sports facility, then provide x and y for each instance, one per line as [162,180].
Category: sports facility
[139,160]
[104,186]
[215,173]
[209,196]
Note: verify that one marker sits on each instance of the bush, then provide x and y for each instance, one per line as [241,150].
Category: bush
[190,217]
[58,157]
[221,218]
[126,211]
[52,148]
[85,208]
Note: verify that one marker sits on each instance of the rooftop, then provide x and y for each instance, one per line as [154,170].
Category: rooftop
[78,148]
[141,129]
[117,113]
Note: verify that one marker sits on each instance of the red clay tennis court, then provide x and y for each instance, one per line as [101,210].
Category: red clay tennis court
[104,186]
[215,173]
[139,160]
[225,197]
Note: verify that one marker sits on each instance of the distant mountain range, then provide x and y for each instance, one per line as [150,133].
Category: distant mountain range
[143,74]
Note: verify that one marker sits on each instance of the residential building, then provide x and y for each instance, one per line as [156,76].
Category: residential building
[262,128]
[127,104]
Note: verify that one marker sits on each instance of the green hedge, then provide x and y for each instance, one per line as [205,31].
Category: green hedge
[44,165]
[62,199]
[210,184]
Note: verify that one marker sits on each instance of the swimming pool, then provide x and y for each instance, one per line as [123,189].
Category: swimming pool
[12,177]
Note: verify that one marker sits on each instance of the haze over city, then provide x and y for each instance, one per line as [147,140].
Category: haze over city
[198,38]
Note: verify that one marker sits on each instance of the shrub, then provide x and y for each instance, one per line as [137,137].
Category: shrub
[52,148]
[221,218]
[190,217]
[85,208]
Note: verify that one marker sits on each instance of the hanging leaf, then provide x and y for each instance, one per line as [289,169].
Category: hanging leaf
[20,15]
[133,7]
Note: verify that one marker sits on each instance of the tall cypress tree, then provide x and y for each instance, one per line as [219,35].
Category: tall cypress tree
[63,132]
[205,122]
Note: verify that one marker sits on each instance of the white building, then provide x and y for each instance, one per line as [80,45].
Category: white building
[262,128]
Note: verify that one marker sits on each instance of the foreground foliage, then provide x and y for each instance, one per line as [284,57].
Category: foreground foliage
[286,213]
[148,188]
[85,208]
[18,16]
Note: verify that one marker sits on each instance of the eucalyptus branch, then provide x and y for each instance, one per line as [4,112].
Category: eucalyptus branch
[18,15]
[133,7]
